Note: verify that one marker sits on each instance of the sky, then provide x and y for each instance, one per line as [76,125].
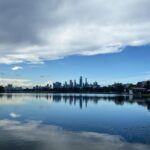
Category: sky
[57,40]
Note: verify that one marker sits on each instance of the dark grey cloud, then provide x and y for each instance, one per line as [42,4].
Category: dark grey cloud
[20,20]
[35,30]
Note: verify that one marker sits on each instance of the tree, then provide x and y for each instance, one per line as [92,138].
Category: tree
[147,85]
[1,89]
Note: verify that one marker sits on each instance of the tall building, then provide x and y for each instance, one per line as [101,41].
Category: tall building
[86,82]
[81,82]
[65,85]
[9,88]
[75,83]
[71,84]
[57,85]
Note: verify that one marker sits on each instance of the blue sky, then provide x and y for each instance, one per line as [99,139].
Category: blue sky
[130,65]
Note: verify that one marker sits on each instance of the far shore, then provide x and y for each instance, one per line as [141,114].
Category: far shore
[54,92]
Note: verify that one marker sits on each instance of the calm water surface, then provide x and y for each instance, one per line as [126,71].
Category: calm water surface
[74,121]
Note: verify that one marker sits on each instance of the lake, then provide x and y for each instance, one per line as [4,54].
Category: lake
[74,122]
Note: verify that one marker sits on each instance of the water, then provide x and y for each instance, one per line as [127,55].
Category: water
[74,121]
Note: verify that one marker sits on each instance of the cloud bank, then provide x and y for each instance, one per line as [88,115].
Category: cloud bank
[34,31]
[16,82]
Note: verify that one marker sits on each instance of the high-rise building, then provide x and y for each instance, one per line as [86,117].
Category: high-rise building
[71,84]
[86,82]
[81,82]
[75,83]
[57,85]
[65,85]
[9,88]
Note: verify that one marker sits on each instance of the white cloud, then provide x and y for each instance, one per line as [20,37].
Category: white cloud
[16,82]
[14,115]
[55,29]
[24,82]
[17,68]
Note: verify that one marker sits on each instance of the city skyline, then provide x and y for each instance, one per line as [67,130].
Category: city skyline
[82,86]
[80,83]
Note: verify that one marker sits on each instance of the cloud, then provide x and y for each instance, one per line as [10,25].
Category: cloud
[53,29]
[16,82]
[17,68]
[14,115]
[52,137]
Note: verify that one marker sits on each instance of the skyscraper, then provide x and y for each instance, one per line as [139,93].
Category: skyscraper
[71,84]
[81,82]
[75,84]
[86,82]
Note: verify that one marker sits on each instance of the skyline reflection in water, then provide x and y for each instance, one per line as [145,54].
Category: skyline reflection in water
[95,121]
[81,99]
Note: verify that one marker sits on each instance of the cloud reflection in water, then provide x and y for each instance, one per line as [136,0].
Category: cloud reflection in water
[36,136]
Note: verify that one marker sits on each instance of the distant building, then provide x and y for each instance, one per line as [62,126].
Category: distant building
[95,85]
[138,91]
[81,82]
[9,88]
[86,82]
[57,85]
[48,86]
[65,85]
[71,84]
[75,83]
